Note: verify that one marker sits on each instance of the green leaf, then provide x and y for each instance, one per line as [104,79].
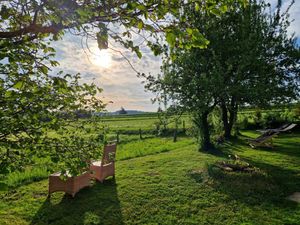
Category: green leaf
[137,51]
[18,85]
[197,7]
[171,38]
[44,69]
[223,8]
[140,25]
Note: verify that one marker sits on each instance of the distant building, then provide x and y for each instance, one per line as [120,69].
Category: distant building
[122,111]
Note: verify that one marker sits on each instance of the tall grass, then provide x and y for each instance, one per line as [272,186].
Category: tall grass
[32,174]
[138,148]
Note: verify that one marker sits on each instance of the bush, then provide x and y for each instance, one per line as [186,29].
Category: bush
[273,120]
[243,123]
[290,115]
[297,112]
[258,119]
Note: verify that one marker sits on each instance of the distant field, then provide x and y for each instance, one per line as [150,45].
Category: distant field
[141,121]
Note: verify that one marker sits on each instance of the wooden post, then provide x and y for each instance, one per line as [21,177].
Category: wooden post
[175,131]
[175,135]
[140,131]
[118,138]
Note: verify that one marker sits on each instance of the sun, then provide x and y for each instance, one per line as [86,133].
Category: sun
[101,58]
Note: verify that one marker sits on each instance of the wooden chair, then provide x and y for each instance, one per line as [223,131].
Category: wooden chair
[105,167]
[264,140]
[70,185]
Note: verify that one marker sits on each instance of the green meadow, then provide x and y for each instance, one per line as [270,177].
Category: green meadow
[159,181]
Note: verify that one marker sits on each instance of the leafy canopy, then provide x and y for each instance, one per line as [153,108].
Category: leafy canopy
[251,59]
[35,102]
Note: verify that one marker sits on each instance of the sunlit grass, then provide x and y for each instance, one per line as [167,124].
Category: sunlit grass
[174,187]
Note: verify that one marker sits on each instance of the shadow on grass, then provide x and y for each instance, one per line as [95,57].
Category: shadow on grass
[215,151]
[284,143]
[98,204]
[269,185]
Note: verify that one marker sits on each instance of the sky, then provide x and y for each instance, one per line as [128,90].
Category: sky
[109,70]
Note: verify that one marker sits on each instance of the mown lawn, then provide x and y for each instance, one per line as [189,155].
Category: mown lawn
[175,187]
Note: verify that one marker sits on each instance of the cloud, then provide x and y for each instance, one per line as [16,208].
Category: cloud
[119,80]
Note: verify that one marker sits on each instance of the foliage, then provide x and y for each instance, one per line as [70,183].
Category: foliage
[170,115]
[258,119]
[36,20]
[189,80]
[297,111]
[267,67]
[33,100]
[250,60]
[267,119]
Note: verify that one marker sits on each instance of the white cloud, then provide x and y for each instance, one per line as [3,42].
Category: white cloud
[119,81]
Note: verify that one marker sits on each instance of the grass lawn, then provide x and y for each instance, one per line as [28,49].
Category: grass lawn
[174,187]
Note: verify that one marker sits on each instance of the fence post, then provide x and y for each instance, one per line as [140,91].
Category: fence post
[175,131]
[118,138]
[140,132]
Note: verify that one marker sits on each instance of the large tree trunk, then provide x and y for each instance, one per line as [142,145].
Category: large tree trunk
[226,125]
[203,126]
[229,115]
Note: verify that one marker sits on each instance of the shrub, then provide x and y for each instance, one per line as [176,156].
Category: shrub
[273,120]
[297,112]
[258,119]
[289,115]
[243,123]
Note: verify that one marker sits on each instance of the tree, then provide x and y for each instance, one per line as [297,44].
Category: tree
[34,101]
[249,53]
[187,81]
[258,59]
